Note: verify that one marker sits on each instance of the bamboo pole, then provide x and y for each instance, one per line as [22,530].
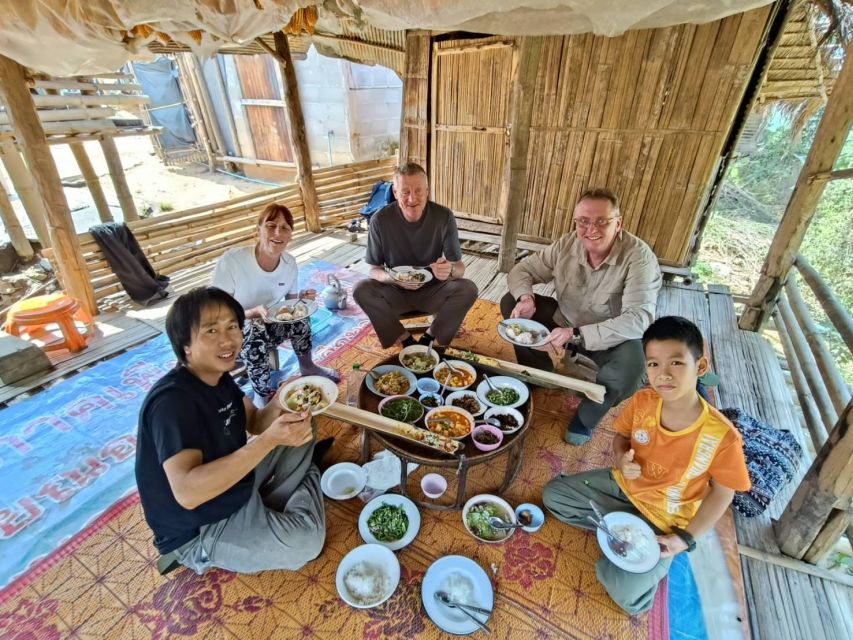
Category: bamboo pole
[414,121]
[807,364]
[22,111]
[796,565]
[829,139]
[91,178]
[196,118]
[828,483]
[117,175]
[13,226]
[27,191]
[522,115]
[61,115]
[197,75]
[296,125]
[835,310]
[232,125]
[839,394]
[815,426]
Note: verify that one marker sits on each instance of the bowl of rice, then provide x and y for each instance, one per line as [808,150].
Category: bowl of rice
[367,576]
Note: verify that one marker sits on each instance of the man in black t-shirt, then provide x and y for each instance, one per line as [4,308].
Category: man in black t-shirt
[414,232]
[212,497]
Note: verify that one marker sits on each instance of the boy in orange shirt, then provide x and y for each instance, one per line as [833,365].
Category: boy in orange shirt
[678,463]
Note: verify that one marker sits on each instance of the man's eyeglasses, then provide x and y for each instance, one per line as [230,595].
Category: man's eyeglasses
[585,223]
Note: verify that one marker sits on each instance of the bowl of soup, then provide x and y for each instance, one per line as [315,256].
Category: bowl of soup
[451,422]
[461,377]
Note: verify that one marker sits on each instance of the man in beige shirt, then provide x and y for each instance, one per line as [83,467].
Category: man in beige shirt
[606,281]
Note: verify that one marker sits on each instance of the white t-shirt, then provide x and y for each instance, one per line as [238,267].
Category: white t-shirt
[237,271]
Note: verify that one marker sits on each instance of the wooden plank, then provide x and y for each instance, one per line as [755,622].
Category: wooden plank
[92,181]
[119,179]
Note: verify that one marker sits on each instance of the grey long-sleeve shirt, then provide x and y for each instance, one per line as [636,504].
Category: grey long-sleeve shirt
[610,304]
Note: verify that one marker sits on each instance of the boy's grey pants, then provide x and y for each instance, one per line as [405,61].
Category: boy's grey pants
[568,496]
[282,526]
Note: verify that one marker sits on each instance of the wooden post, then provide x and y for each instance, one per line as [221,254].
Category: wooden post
[814,424]
[197,74]
[829,139]
[91,178]
[27,191]
[414,121]
[196,117]
[522,115]
[296,125]
[125,198]
[807,364]
[13,226]
[839,394]
[30,135]
[827,486]
[835,310]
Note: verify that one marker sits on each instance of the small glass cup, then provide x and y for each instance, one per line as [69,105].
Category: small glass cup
[433,485]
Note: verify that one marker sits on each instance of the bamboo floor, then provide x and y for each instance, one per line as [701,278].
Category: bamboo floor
[752,597]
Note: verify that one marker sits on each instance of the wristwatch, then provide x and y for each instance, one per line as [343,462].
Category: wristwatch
[576,340]
[688,538]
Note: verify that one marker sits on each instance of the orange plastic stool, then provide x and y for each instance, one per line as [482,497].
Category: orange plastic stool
[32,314]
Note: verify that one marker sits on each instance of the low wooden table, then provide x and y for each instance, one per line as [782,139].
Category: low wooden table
[512,446]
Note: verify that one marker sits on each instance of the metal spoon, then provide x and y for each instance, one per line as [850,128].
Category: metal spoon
[490,383]
[620,547]
[497,523]
[444,599]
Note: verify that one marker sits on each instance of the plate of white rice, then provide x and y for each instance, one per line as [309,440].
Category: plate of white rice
[367,576]
[523,332]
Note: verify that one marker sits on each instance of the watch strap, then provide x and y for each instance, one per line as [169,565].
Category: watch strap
[688,538]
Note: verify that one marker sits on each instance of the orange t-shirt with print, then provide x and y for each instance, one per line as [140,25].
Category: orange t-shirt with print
[676,466]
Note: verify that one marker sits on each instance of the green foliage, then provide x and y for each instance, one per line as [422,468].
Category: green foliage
[166,206]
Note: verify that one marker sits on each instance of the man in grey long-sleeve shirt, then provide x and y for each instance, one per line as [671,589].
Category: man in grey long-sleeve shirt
[606,283]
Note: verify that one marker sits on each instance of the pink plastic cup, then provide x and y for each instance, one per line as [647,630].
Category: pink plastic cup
[433,485]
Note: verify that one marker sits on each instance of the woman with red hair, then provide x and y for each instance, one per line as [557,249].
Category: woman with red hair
[258,276]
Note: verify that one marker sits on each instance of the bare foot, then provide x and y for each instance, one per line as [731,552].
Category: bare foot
[317,370]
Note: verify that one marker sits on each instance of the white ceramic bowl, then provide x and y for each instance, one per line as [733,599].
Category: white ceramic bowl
[393,500]
[343,481]
[493,412]
[461,394]
[457,364]
[432,414]
[329,389]
[500,502]
[374,554]
[501,382]
[433,485]
[536,513]
[428,385]
[416,414]
[385,368]
[418,348]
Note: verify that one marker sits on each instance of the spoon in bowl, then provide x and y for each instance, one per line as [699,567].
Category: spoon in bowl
[497,523]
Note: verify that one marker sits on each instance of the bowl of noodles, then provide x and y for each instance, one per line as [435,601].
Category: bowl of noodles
[451,422]
[391,380]
[314,393]
[462,376]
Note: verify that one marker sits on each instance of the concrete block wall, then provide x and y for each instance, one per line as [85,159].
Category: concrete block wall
[375,103]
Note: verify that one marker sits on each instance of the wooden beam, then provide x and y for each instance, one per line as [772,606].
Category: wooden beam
[198,78]
[95,100]
[829,139]
[836,387]
[22,111]
[832,306]
[828,482]
[13,226]
[835,526]
[258,162]
[125,197]
[382,48]
[92,181]
[814,424]
[196,116]
[519,143]
[841,174]
[808,365]
[796,565]
[229,113]
[61,115]
[296,125]
[27,191]
[414,120]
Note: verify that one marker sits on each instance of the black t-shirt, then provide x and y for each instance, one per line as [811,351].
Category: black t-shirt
[182,412]
[393,241]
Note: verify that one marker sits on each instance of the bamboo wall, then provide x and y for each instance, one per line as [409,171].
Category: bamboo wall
[183,239]
[645,114]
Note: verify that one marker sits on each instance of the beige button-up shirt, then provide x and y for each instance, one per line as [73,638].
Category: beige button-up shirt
[610,304]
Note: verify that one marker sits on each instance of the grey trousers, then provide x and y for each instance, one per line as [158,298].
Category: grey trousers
[568,496]
[384,303]
[282,526]
[620,368]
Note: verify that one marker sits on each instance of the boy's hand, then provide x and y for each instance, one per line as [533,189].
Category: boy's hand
[671,545]
[630,469]
[291,429]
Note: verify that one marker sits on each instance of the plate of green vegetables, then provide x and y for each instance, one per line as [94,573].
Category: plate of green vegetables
[391,520]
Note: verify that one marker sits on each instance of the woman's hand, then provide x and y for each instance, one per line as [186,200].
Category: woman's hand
[260,312]
[308,294]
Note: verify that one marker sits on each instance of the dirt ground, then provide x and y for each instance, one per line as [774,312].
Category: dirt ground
[155,186]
